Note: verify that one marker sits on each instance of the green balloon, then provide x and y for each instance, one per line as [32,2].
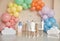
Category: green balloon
[19,2]
[28,1]
[29,6]
[25,6]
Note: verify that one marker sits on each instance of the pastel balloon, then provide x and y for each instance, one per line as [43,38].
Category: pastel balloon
[19,2]
[51,13]
[45,17]
[42,4]
[13,17]
[25,6]
[19,8]
[29,6]
[28,1]
[46,21]
[49,24]
[10,5]
[46,28]
[38,8]
[16,14]
[9,10]
[45,10]
[13,9]
[16,20]
[53,20]
[12,22]
[15,5]
[5,17]
[33,4]
[8,24]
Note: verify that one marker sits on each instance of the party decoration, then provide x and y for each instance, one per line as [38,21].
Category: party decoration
[28,1]
[49,24]
[25,6]
[24,3]
[19,8]
[46,28]
[45,10]
[45,17]
[8,24]
[19,2]
[38,4]
[11,17]
[14,9]
[8,20]
[52,20]
[5,17]
[16,14]
[8,31]
[51,13]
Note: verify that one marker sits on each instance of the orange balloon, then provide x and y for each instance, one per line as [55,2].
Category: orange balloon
[35,0]
[38,8]
[42,4]
[33,8]
[39,2]
[33,4]
[36,4]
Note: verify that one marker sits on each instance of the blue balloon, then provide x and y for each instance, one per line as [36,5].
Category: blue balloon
[52,20]
[46,21]
[46,28]
[49,24]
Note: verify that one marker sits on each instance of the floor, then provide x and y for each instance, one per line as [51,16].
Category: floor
[42,37]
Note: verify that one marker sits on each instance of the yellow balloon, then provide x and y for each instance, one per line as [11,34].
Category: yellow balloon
[13,9]
[15,5]
[16,14]
[19,8]
[11,14]
[9,10]
[10,5]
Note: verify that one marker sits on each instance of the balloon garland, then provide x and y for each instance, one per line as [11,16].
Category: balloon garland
[11,17]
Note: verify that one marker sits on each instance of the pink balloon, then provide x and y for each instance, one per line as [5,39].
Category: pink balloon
[5,17]
[45,10]
[13,17]
[8,24]
[12,22]
[16,20]
[2,25]
[45,17]
[51,13]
